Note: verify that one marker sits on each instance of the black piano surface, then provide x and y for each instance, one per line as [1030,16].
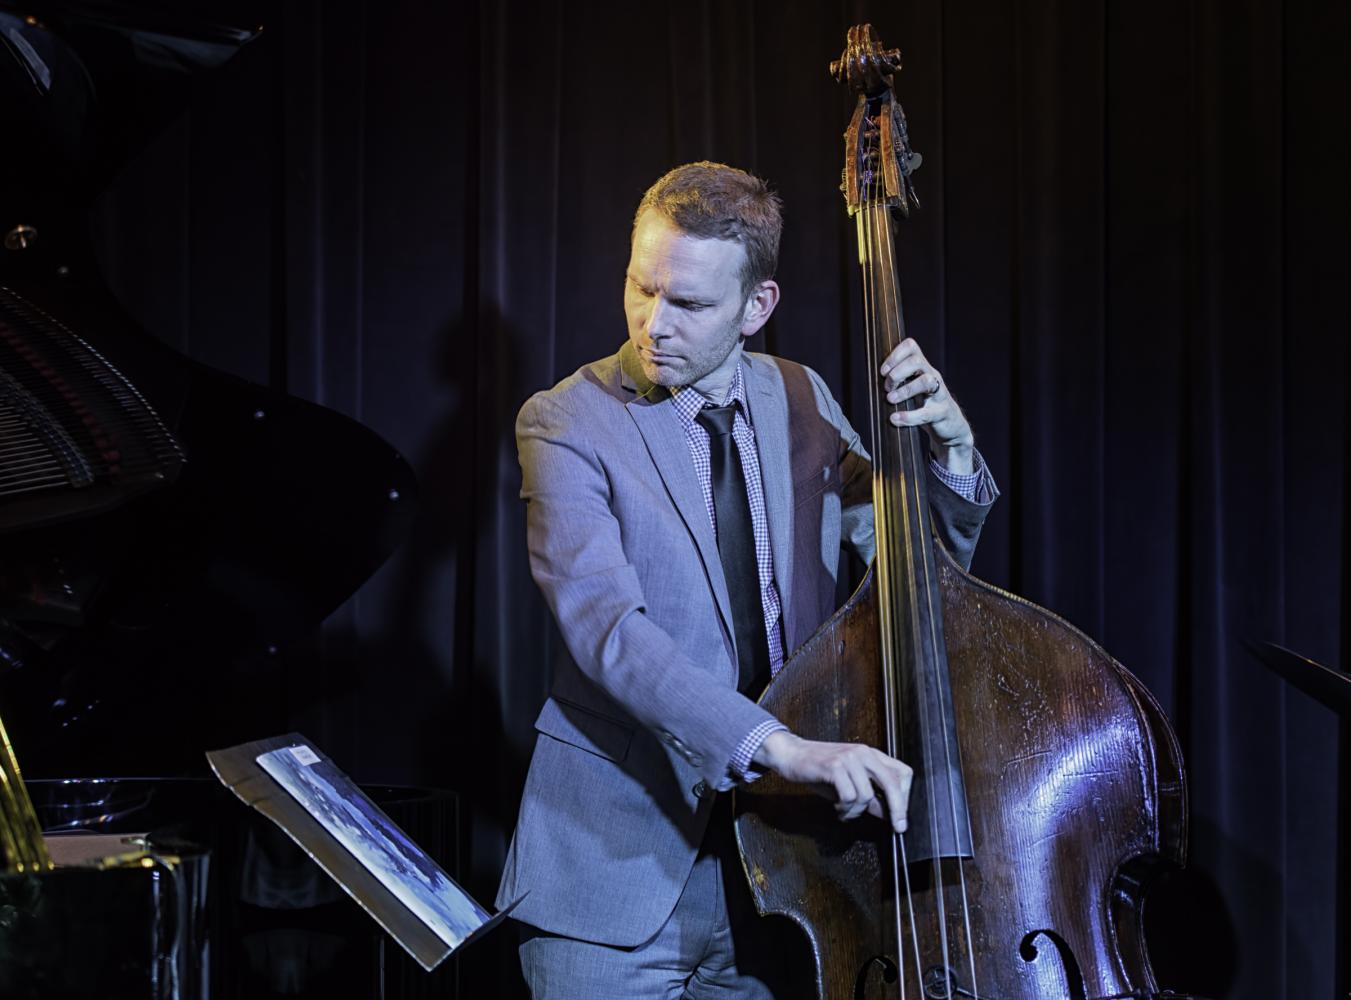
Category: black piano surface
[182,524]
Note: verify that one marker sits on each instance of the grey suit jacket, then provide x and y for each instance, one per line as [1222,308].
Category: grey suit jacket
[644,715]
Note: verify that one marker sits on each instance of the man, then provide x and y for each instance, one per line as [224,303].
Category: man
[686,506]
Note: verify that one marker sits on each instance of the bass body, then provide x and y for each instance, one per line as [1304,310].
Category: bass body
[1048,785]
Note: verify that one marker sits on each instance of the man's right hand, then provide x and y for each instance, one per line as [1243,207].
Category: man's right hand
[851,774]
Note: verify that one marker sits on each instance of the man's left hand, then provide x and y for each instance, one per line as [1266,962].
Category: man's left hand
[907,374]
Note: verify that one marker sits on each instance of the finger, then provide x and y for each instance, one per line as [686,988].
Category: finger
[931,412]
[845,792]
[926,383]
[860,806]
[869,805]
[894,779]
[864,797]
[906,351]
[909,370]
[904,373]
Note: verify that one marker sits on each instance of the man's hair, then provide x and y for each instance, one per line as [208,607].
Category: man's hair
[715,201]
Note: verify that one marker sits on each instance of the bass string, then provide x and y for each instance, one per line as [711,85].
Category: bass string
[880,341]
[910,453]
[876,411]
[914,454]
[900,602]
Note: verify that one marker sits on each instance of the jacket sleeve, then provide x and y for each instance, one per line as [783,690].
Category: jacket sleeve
[956,520]
[578,560]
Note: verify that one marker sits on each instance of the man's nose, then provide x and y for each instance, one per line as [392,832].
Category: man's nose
[659,318]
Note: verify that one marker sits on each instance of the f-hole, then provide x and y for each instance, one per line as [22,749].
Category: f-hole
[1074,977]
[887,970]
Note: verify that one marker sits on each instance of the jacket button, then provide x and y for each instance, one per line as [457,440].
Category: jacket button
[700,790]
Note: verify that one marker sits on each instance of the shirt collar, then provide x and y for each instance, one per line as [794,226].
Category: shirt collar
[688,402]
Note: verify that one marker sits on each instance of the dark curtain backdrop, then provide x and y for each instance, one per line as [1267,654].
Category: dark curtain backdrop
[1132,266]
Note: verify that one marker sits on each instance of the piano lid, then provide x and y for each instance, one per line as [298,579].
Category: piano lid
[84,85]
[184,525]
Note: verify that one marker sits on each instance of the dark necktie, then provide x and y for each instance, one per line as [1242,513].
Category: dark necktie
[736,548]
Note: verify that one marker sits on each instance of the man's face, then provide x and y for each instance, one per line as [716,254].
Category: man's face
[684,304]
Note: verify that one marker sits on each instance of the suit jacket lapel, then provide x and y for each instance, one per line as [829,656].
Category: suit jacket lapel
[651,410]
[769,416]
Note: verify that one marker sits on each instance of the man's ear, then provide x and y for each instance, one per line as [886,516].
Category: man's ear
[763,298]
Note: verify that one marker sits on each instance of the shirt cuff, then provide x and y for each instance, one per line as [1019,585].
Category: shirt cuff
[740,765]
[977,487]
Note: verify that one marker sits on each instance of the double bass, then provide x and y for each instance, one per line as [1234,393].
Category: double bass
[1049,787]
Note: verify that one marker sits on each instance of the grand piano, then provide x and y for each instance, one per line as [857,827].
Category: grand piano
[161,522]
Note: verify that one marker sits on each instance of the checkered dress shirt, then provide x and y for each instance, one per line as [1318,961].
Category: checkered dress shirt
[978,487]
[688,403]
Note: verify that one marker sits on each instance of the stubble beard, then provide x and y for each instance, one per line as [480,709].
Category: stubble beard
[693,368]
